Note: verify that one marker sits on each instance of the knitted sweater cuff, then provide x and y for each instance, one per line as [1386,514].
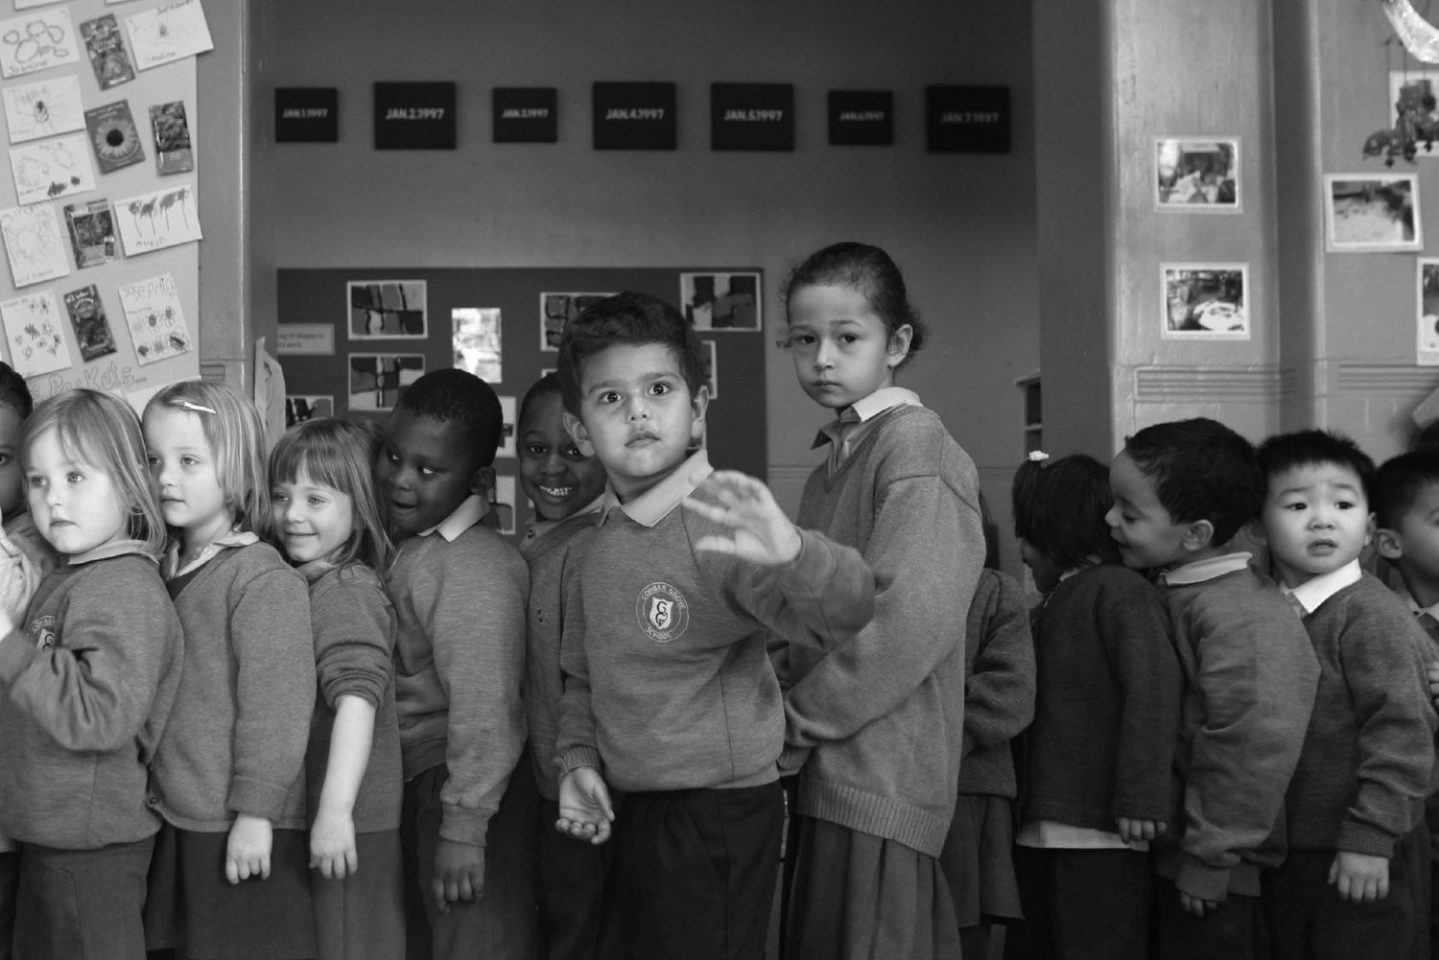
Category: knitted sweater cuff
[1200,880]
[576,757]
[792,758]
[256,798]
[1362,838]
[462,825]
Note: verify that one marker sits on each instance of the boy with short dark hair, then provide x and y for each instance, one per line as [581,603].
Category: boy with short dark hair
[459,593]
[1182,490]
[1354,884]
[669,689]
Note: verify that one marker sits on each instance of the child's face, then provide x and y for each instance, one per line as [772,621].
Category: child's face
[76,506]
[636,415]
[1316,519]
[841,348]
[423,471]
[1147,535]
[1046,574]
[1415,544]
[312,520]
[184,471]
[12,487]
[554,474]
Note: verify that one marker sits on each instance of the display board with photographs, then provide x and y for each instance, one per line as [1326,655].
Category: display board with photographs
[383,328]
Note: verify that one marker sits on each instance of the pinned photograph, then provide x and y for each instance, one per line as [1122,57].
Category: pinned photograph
[50,169]
[1428,312]
[92,232]
[502,503]
[155,319]
[557,310]
[721,301]
[508,418]
[113,136]
[711,370]
[37,41]
[387,309]
[477,341]
[1412,97]
[87,319]
[1372,213]
[32,334]
[306,407]
[1205,301]
[376,379]
[33,244]
[107,51]
[173,153]
[1195,175]
[168,33]
[154,221]
[43,109]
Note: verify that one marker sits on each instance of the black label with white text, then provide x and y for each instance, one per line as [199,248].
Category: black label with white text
[414,116]
[307,115]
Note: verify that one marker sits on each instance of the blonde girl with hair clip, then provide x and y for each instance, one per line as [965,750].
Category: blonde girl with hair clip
[325,517]
[88,677]
[230,877]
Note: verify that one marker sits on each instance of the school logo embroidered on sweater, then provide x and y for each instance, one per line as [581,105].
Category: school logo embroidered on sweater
[42,632]
[663,612]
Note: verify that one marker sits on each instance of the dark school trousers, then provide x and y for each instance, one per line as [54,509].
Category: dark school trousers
[574,878]
[82,903]
[1233,931]
[1308,921]
[1081,905]
[9,887]
[502,922]
[695,873]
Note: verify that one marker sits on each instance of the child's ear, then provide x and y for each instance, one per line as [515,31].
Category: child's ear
[1389,543]
[483,481]
[575,427]
[1199,535]
[699,403]
[899,345]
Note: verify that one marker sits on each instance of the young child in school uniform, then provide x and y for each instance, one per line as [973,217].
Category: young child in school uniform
[669,692]
[873,811]
[565,487]
[230,876]
[88,678]
[26,558]
[459,593]
[978,856]
[1095,787]
[1182,490]
[1353,885]
[325,517]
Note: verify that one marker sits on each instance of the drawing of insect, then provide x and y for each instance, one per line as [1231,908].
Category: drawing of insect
[40,113]
[179,343]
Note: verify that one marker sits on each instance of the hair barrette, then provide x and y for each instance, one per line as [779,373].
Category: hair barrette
[194,407]
[1037,456]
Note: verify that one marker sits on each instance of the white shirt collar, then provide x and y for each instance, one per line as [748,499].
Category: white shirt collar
[116,548]
[1209,568]
[470,512]
[235,538]
[1312,593]
[867,408]
[652,506]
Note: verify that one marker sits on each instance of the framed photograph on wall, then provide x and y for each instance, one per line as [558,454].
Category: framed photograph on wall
[1426,313]
[722,301]
[376,379]
[1197,175]
[387,309]
[1205,301]
[1413,94]
[557,310]
[1372,212]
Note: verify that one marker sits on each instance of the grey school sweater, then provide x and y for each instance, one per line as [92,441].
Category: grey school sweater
[1364,768]
[354,627]
[884,711]
[237,735]
[89,679]
[459,659]
[998,684]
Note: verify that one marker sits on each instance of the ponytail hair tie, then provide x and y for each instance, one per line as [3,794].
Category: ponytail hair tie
[1037,456]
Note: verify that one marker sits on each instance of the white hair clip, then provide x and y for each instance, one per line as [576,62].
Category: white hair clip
[1037,456]
[194,407]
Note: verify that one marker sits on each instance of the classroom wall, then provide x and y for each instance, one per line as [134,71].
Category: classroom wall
[961,226]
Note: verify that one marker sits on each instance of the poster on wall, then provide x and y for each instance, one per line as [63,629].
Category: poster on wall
[1427,313]
[1413,95]
[300,408]
[155,319]
[91,326]
[387,309]
[154,221]
[376,379]
[1205,301]
[721,301]
[557,310]
[171,129]
[33,244]
[476,337]
[106,47]
[92,232]
[44,108]
[168,33]
[1196,175]
[113,136]
[1372,213]
[51,169]
[32,334]
[37,41]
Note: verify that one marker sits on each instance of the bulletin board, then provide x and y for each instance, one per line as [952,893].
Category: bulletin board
[349,340]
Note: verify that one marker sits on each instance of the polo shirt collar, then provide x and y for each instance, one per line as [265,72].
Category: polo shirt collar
[540,528]
[115,548]
[1209,568]
[866,409]
[235,538]
[470,512]
[656,503]
[1311,594]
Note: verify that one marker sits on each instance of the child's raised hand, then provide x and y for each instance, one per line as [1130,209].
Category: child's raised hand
[586,812]
[761,532]
[459,873]
[332,844]
[247,850]
[1360,877]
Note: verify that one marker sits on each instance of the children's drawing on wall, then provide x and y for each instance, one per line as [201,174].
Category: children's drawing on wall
[1205,301]
[88,320]
[43,109]
[33,244]
[477,341]
[721,301]
[376,379]
[168,33]
[1372,213]
[303,407]
[1196,175]
[107,51]
[37,41]
[711,370]
[502,504]
[50,169]
[154,318]
[154,221]
[30,4]
[1412,102]
[507,430]
[32,334]
[113,136]
[1428,312]
[92,232]
[557,310]
[173,153]
[387,309]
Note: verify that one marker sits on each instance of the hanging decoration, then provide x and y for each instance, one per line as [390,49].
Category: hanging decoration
[1419,36]
[1415,122]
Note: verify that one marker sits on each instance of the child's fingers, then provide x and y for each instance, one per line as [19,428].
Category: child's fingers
[351,863]
[602,798]
[716,544]
[264,867]
[707,510]
[232,870]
